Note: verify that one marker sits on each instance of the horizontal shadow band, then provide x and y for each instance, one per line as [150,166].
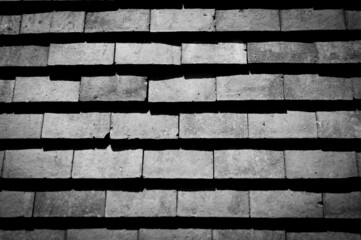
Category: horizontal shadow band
[139,184]
[287,224]
[181,37]
[176,108]
[188,144]
[75,72]
[31,7]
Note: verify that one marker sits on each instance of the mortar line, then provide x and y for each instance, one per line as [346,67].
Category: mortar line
[249,203]
[3,165]
[142,170]
[357,165]
[280,18]
[105,201]
[34,198]
[284,163]
[72,164]
[12,97]
[345,19]
[85,14]
[42,126]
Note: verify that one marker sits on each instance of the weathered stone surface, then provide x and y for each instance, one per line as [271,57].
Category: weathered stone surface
[248,164]
[67,22]
[292,124]
[6,90]
[353,20]
[42,89]
[178,164]
[339,52]
[342,205]
[320,164]
[310,19]
[149,203]
[12,235]
[220,53]
[281,52]
[107,163]
[69,204]
[248,234]
[183,90]
[223,203]
[76,126]
[2,158]
[358,159]
[184,20]
[96,234]
[322,236]
[81,54]
[147,53]
[36,23]
[285,204]
[16,204]
[37,163]
[178,234]
[213,125]
[10,25]
[357,88]
[247,20]
[315,87]
[339,124]
[24,56]
[250,87]
[122,20]
[44,234]
[113,88]
[19,126]
[143,126]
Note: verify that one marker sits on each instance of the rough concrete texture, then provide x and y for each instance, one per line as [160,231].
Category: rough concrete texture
[107,163]
[281,52]
[6,90]
[122,20]
[311,19]
[18,126]
[37,163]
[147,53]
[96,234]
[248,234]
[315,87]
[69,204]
[16,204]
[339,124]
[81,54]
[12,235]
[357,87]
[222,203]
[358,156]
[36,23]
[10,25]
[184,20]
[342,205]
[182,89]
[320,164]
[246,164]
[149,203]
[178,164]
[67,22]
[322,236]
[2,158]
[249,87]
[113,88]
[353,20]
[176,234]
[292,124]
[339,52]
[42,89]
[213,125]
[286,204]
[247,20]
[76,126]
[143,126]
[24,56]
[43,234]
[219,53]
